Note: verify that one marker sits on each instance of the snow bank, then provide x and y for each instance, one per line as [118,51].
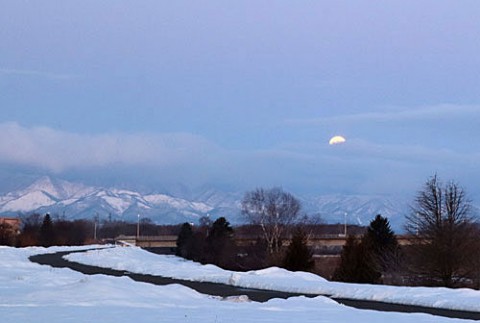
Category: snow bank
[140,261]
[33,293]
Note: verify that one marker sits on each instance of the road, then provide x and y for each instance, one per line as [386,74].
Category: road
[258,295]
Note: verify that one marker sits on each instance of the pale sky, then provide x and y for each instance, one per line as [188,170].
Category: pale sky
[242,94]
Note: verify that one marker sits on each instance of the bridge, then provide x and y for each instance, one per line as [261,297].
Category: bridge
[329,241]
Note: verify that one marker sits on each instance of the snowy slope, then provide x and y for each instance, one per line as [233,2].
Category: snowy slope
[33,293]
[136,260]
[41,193]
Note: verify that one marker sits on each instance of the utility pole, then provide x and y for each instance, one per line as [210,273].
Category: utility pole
[95,220]
[345,226]
[138,226]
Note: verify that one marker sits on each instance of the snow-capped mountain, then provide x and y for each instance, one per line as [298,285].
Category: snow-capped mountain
[78,201]
[42,193]
[74,201]
[357,209]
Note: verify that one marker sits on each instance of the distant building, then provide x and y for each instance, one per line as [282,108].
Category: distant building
[13,223]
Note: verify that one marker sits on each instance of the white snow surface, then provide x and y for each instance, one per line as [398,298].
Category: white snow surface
[33,293]
[159,199]
[29,201]
[136,260]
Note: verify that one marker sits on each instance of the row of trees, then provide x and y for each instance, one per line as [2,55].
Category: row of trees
[47,230]
[442,249]
[214,243]
[43,231]
[209,243]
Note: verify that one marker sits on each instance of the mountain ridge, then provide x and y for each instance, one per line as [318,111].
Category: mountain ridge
[76,200]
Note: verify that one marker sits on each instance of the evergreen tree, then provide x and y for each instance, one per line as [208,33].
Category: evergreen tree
[348,261]
[356,264]
[298,256]
[375,254]
[184,241]
[382,243]
[47,233]
[220,231]
[219,242]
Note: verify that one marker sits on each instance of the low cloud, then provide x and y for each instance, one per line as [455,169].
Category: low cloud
[58,151]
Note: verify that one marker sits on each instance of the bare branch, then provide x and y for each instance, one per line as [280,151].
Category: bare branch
[273,210]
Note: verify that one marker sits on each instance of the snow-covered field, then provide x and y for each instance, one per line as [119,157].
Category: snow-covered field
[33,293]
[137,260]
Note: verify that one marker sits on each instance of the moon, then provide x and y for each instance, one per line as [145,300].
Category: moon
[335,140]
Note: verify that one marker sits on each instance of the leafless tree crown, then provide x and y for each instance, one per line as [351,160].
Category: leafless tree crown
[444,232]
[437,207]
[273,210]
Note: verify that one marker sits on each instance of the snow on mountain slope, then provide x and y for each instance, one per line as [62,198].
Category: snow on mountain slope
[57,189]
[79,201]
[219,199]
[159,199]
[119,204]
[41,193]
[357,209]
[29,201]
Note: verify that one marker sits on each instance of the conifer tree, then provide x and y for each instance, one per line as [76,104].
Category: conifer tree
[381,241]
[365,260]
[47,232]
[356,264]
[219,242]
[298,256]
[184,241]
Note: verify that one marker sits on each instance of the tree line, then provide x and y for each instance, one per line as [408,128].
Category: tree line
[215,243]
[44,231]
[47,230]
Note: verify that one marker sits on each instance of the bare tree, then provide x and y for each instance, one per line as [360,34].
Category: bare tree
[273,210]
[443,232]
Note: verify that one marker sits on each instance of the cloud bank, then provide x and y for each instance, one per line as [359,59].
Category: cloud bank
[358,167]
[58,151]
